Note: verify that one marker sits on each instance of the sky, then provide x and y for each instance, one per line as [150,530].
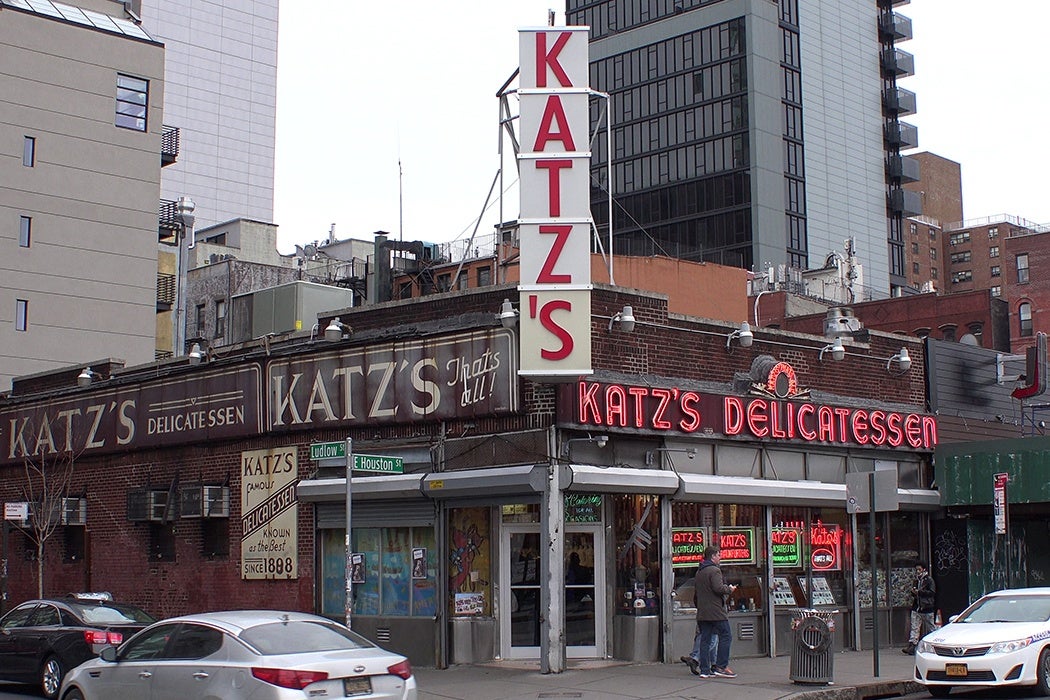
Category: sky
[390,122]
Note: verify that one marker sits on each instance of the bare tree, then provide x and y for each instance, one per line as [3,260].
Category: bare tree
[46,484]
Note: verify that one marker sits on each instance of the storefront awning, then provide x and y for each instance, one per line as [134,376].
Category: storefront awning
[364,488]
[493,481]
[737,489]
[591,479]
[918,499]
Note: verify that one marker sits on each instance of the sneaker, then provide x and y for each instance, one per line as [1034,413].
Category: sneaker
[725,672]
[694,665]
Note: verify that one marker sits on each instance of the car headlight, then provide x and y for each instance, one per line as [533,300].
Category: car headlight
[925,647]
[1008,647]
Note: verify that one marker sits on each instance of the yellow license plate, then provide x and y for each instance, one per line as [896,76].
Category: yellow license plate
[357,686]
[955,670]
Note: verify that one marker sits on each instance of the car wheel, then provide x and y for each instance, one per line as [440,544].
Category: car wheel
[939,691]
[1042,673]
[51,677]
[74,694]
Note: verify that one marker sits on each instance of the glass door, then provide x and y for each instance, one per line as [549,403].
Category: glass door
[584,620]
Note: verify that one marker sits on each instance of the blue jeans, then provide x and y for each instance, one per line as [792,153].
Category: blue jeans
[710,633]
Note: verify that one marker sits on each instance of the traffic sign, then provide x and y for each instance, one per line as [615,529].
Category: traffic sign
[328,450]
[376,463]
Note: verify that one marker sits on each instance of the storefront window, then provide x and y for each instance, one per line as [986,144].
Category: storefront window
[470,562]
[388,578]
[636,522]
[811,555]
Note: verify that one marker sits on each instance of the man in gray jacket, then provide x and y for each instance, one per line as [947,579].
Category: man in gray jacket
[711,619]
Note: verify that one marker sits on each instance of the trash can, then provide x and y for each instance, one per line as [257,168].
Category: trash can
[812,654]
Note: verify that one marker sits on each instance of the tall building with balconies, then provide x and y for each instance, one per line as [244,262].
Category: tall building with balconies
[754,133]
[80,166]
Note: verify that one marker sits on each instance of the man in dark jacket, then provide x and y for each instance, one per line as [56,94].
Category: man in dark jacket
[923,608]
[711,619]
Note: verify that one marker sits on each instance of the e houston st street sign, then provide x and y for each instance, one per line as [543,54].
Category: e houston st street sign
[320,451]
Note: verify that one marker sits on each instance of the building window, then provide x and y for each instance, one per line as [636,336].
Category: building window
[959,238]
[915,268]
[997,291]
[993,252]
[25,230]
[933,234]
[963,257]
[132,102]
[161,542]
[933,253]
[948,332]
[1024,315]
[21,315]
[220,318]
[914,248]
[977,331]
[1022,268]
[995,271]
[993,232]
[484,276]
[933,273]
[29,152]
[962,276]
[461,281]
[444,282]
[201,311]
[914,228]
[406,291]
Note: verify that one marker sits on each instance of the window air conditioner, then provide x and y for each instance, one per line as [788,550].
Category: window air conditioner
[74,511]
[158,506]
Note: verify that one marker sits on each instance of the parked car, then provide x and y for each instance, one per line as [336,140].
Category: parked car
[1001,640]
[40,640]
[261,654]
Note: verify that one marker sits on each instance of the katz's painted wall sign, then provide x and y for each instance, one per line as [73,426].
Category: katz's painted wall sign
[677,410]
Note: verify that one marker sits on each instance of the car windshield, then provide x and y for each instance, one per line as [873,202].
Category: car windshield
[112,614]
[301,636]
[1021,608]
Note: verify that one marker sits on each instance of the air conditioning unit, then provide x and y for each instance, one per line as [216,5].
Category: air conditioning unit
[158,506]
[74,511]
[216,501]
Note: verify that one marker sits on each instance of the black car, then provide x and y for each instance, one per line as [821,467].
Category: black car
[42,639]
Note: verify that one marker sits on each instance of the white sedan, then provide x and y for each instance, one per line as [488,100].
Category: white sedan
[257,654]
[1001,640]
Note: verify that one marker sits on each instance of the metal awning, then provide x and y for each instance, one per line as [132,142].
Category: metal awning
[364,488]
[739,489]
[491,481]
[918,499]
[592,479]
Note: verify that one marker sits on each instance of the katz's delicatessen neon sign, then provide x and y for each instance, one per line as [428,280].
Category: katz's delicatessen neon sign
[763,417]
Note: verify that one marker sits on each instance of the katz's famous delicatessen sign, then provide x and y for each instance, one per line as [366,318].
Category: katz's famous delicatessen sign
[459,375]
[765,417]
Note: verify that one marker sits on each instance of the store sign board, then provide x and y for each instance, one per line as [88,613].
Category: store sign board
[687,546]
[673,409]
[787,547]
[554,295]
[269,514]
[583,508]
[999,482]
[825,547]
[737,545]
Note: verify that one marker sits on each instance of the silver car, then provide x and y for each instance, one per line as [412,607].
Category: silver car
[257,654]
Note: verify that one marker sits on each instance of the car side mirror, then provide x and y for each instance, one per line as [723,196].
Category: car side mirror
[109,654]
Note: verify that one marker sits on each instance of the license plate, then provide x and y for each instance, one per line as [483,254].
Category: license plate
[955,670]
[357,686]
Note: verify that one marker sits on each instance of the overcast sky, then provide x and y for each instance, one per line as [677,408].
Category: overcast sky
[361,88]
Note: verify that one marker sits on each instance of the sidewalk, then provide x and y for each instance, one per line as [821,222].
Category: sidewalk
[759,679]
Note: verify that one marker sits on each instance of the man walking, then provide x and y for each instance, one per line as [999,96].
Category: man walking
[711,619]
[922,609]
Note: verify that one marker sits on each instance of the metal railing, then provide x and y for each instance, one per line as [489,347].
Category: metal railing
[998,219]
[169,144]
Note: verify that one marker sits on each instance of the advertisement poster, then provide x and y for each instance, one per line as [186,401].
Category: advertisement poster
[470,603]
[269,514]
[357,568]
[419,564]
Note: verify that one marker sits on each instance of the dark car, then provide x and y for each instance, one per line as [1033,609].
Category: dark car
[40,640]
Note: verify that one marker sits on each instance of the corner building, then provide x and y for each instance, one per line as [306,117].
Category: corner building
[754,133]
[523,519]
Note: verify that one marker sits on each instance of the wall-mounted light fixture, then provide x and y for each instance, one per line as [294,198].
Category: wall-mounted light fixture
[743,335]
[86,377]
[337,330]
[650,456]
[625,318]
[836,349]
[508,315]
[197,355]
[599,440]
[903,361]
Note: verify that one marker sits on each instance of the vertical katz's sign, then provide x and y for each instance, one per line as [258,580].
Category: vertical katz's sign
[555,220]
[269,514]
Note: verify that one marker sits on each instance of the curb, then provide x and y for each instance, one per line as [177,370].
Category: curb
[886,689]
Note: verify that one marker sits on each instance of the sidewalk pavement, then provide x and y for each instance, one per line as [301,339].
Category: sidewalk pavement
[758,679]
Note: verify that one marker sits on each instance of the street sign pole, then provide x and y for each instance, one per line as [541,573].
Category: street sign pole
[874,582]
[3,571]
[349,540]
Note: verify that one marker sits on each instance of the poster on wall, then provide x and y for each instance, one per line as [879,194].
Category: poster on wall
[269,514]
[419,563]
[469,562]
[782,593]
[470,603]
[357,568]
